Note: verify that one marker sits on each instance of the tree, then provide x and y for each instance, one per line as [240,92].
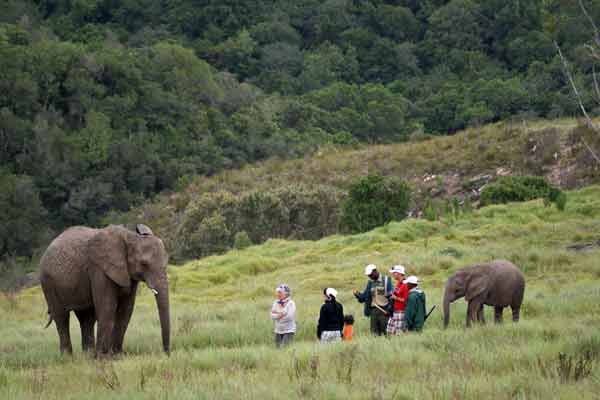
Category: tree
[326,65]
[374,201]
[22,226]
[594,50]
[458,25]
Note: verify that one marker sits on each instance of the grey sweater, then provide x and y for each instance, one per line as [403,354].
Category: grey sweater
[286,324]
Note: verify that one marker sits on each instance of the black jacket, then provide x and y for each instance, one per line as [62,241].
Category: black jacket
[331,317]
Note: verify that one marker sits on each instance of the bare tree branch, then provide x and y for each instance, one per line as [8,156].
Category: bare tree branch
[593,51]
[596,88]
[588,120]
[590,150]
[573,86]
[594,27]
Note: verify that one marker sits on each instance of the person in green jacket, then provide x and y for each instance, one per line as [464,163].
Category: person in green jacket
[414,314]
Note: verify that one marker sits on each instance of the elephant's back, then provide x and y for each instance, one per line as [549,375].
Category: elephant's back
[510,277]
[66,254]
[507,270]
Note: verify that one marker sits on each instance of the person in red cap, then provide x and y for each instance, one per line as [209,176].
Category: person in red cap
[399,296]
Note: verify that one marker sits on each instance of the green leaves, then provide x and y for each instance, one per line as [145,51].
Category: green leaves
[522,188]
[22,226]
[215,222]
[374,201]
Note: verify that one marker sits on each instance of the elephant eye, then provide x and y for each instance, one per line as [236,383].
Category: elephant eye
[144,264]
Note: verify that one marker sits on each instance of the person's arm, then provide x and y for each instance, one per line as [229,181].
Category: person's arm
[362,297]
[274,313]
[320,323]
[389,289]
[341,318]
[403,295]
[289,312]
[409,313]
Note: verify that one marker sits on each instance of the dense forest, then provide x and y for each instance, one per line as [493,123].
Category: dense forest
[104,103]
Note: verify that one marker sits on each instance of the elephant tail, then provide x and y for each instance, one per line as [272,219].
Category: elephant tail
[50,319]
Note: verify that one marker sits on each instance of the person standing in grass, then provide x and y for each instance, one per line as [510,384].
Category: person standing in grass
[348,328]
[414,314]
[376,298]
[283,313]
[399,297]
[331,318]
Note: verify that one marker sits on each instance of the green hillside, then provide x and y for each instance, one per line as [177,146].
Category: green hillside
[302,198]
[221,328]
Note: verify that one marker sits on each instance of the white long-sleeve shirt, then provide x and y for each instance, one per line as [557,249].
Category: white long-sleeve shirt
[286,324]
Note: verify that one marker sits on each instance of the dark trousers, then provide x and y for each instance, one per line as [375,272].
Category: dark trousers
[283,339]
[379,321]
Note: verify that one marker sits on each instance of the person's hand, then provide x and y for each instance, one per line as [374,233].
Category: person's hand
[355,292]
[281,315]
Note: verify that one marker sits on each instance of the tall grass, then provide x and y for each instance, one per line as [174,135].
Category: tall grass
[222,341]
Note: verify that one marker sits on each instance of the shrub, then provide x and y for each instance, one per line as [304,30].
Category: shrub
[290,211]
[212,236]
[522,188]
[374,201]
[241,240]
[430,211]
[314,212]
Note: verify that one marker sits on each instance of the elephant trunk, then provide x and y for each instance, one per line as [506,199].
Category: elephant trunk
[446,305]
[161,294]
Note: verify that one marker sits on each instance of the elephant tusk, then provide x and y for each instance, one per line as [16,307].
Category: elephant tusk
[154,291]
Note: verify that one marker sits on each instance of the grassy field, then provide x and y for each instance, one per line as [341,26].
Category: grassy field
[222,345]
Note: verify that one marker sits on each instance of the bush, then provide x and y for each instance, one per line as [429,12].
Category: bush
[522,188]
[374,201]
[430,211]
[22,219]
[211,237]
[290,211]
[241,240]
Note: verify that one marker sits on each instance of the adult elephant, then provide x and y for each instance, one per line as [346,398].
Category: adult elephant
[498,283]
[95,273]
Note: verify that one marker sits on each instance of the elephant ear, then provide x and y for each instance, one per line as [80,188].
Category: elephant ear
[107,251]
[476,286]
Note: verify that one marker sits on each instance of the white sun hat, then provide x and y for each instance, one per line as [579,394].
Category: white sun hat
[331,292]
[398,268]
[370,268]
[412,279]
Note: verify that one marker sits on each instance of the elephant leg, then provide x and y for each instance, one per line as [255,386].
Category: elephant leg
[87,320]
[481,315]
[472,309]
[516,311]
[105,303]
[62,326]
[498,314]
[124,311]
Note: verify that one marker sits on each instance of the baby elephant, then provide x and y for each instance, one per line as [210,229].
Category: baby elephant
[498,283]
[95,273]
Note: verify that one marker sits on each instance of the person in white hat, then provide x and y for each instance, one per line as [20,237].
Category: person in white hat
[376,298]
[399,297]
[331,318]
[414,314]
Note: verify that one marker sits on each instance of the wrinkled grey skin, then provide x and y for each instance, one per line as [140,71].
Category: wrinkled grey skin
[498,283]
[95,273]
